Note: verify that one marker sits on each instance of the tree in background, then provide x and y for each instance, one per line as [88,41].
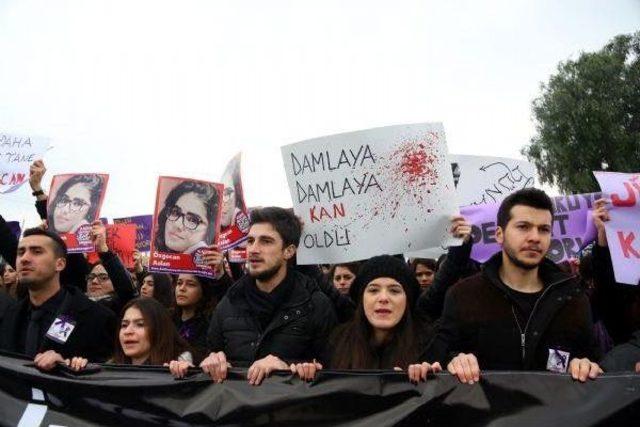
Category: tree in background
[588,117]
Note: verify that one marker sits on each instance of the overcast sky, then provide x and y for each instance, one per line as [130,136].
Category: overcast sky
[143,88]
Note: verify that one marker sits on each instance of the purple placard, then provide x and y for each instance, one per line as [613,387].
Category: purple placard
[573,227]
[14,226]
[623,229]
[143,226]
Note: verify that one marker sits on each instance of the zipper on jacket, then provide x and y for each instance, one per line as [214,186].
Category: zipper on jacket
[523,334]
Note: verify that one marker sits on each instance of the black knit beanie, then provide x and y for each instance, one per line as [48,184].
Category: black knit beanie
[385,266]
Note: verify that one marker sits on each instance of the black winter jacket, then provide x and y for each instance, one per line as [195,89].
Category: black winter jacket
[298,331]
[479,318]
[92,338]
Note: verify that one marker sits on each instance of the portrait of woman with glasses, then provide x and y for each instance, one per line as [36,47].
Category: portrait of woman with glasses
[188,218]
[76,202]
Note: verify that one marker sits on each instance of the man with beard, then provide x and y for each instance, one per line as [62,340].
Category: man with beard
[274,315]
[53,322]
[521,312]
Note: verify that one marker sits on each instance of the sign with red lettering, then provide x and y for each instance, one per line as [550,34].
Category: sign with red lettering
[623,230]
[74,203]
[17,152]
[372,192]
[185,222]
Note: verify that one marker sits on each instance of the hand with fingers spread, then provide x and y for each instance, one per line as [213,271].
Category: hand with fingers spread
[98,236]
[262,368]
[77,363]
[178,368]
[48,360]
[601,215]
[465,367]
[216,365]
[460,228]
[306,371]
[581,369]
[418,372]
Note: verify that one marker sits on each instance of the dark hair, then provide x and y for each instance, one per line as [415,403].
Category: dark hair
[351,266]
[162,288]
[59,247]
[531,197]
[237,188]
[353,342]
[94,184]
[166,343]
[207,302]
[284,221]
[207,193]
[430,263]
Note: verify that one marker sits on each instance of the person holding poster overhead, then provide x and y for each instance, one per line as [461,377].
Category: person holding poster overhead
[235,218]
[274,315]
[521,312]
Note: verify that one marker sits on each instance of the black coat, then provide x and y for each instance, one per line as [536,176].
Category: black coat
[92,338]
[623,357]
[298,331]
[6,302]
[479,318]
[8,243]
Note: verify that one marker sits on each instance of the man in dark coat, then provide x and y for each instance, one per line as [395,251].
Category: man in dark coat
[53,322]
[521,312]
[274,315]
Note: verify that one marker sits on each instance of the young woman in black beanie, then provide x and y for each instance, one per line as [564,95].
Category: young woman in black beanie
[385,332]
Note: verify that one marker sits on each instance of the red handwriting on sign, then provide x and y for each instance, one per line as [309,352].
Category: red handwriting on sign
[626,244]
[12,178]
[630,199]
[318,213]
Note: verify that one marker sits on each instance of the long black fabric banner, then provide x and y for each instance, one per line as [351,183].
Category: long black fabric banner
[144,396]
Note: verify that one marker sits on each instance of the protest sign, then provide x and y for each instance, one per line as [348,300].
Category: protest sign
[235,218]
[482,179]
[143,225]
[573,227]
[623,229]
[74,203]
[121,240]
[17,152]
[366,193]
[186,220]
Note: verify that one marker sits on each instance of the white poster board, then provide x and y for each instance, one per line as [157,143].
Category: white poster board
[17,152]
[378,191]
[483,179]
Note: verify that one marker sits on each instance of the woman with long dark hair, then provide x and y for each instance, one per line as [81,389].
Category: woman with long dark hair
[385,332]
[75,203]
[158,286]
[146,336]
[188,219]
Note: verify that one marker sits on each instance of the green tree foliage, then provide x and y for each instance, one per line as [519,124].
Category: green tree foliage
[589,114]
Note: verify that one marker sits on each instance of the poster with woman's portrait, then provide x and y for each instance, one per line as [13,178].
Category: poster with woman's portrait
[74,203]
[186,220]
[235,218]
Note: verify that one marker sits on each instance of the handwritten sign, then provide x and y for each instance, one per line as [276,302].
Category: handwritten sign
[360,194]
[186,220]
[143,224]
[17,152]
[482,179]
[235,217]
[74,203]
[623,230]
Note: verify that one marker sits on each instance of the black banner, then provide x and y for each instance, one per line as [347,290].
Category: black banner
[141,396]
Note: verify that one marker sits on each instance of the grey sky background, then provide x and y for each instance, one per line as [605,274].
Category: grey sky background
[140,88]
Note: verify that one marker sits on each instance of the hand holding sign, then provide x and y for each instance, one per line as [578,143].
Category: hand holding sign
[600,216]
[36,173]
[99,236]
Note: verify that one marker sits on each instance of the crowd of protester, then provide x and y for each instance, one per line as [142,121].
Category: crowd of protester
[517,311]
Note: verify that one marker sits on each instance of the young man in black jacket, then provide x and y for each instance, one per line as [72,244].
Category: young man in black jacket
[53,322]
[521,312]
[274,315]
